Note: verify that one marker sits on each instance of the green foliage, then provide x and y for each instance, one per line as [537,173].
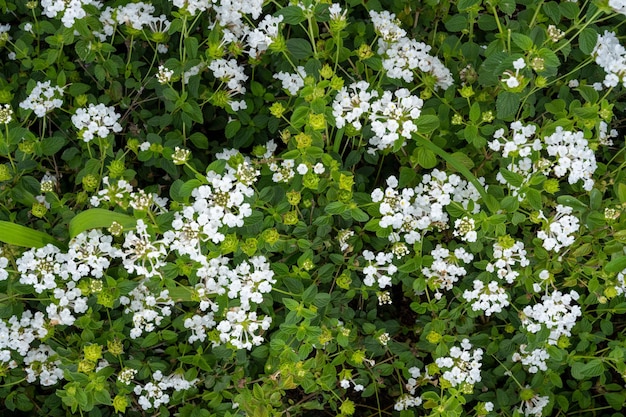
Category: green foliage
[305,208]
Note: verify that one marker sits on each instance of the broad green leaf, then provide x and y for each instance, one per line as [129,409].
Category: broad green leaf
[299,48]
[616,265]
[587,40]
[292,15]
[18,235]
[97,218]
[507,104]
[427,123]
[522,41]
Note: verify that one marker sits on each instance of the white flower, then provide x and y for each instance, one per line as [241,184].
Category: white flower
[96,120]
[292,82]
[43,98]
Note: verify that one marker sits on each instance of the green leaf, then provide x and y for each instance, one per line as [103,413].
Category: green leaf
[456,23]
[336,207]
[573,202]
[507,104]
[616,265]
[232,128]
[52,145]
[587,40]
[551,9]
[292,15]
[427,123]
[18,235]
[534,198]
[621,192]
[522,41]
[97,218]
[426,158]
[464,5]
[299,48]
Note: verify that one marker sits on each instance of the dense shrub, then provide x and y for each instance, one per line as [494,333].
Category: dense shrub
[247,208]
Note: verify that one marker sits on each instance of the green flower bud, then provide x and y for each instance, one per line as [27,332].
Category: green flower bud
[277,110]
[270,236]
[86,366]
[116,168]
[344,280]
[294,197]
[551,185]
[26,147]
[106,299]
[310,180]
[326,72]
[303,140]
[90,182]
[290,218]
[249,247]
[364,52]
[358,356]
[120,402]
[317,121]
[115,347]
[336,83]
[526,394]
[466,91]
[39,210]
[92,352]
[346,182]
[434,337]
[5,173]
[347,407]
[229,244]
[279,44]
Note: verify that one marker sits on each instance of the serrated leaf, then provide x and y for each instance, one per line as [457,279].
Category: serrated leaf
[522,41]
[587,40]
[507,104]
[18,235]
[427,123]
[456,23]
[97,218]
[426,158]
[299,48]
[292,15]
[534,198]
[232,128]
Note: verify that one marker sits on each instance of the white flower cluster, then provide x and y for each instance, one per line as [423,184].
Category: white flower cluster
[507,253]
[379,269]
[154,393]
[567,153]
[43,363]
[148,310]
[43,98]
[412,210]
[137,15]
[283,172]
[258,39]
[560,229]
[463,365]
[401,56]
[445,269]
[387,26]
[409,399]
[71,9]
[96,120]
[572,155]
[4,262]
[519,144]
[605,137]
[240,328]
[534,406]
[489,299]
[535,360]
[391,116]
[465,229]
[292,82]
[39,267]
[216,206]
[18,333]
[610,55]
[555,312]
[343,236]
[141,253]
[231,73]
